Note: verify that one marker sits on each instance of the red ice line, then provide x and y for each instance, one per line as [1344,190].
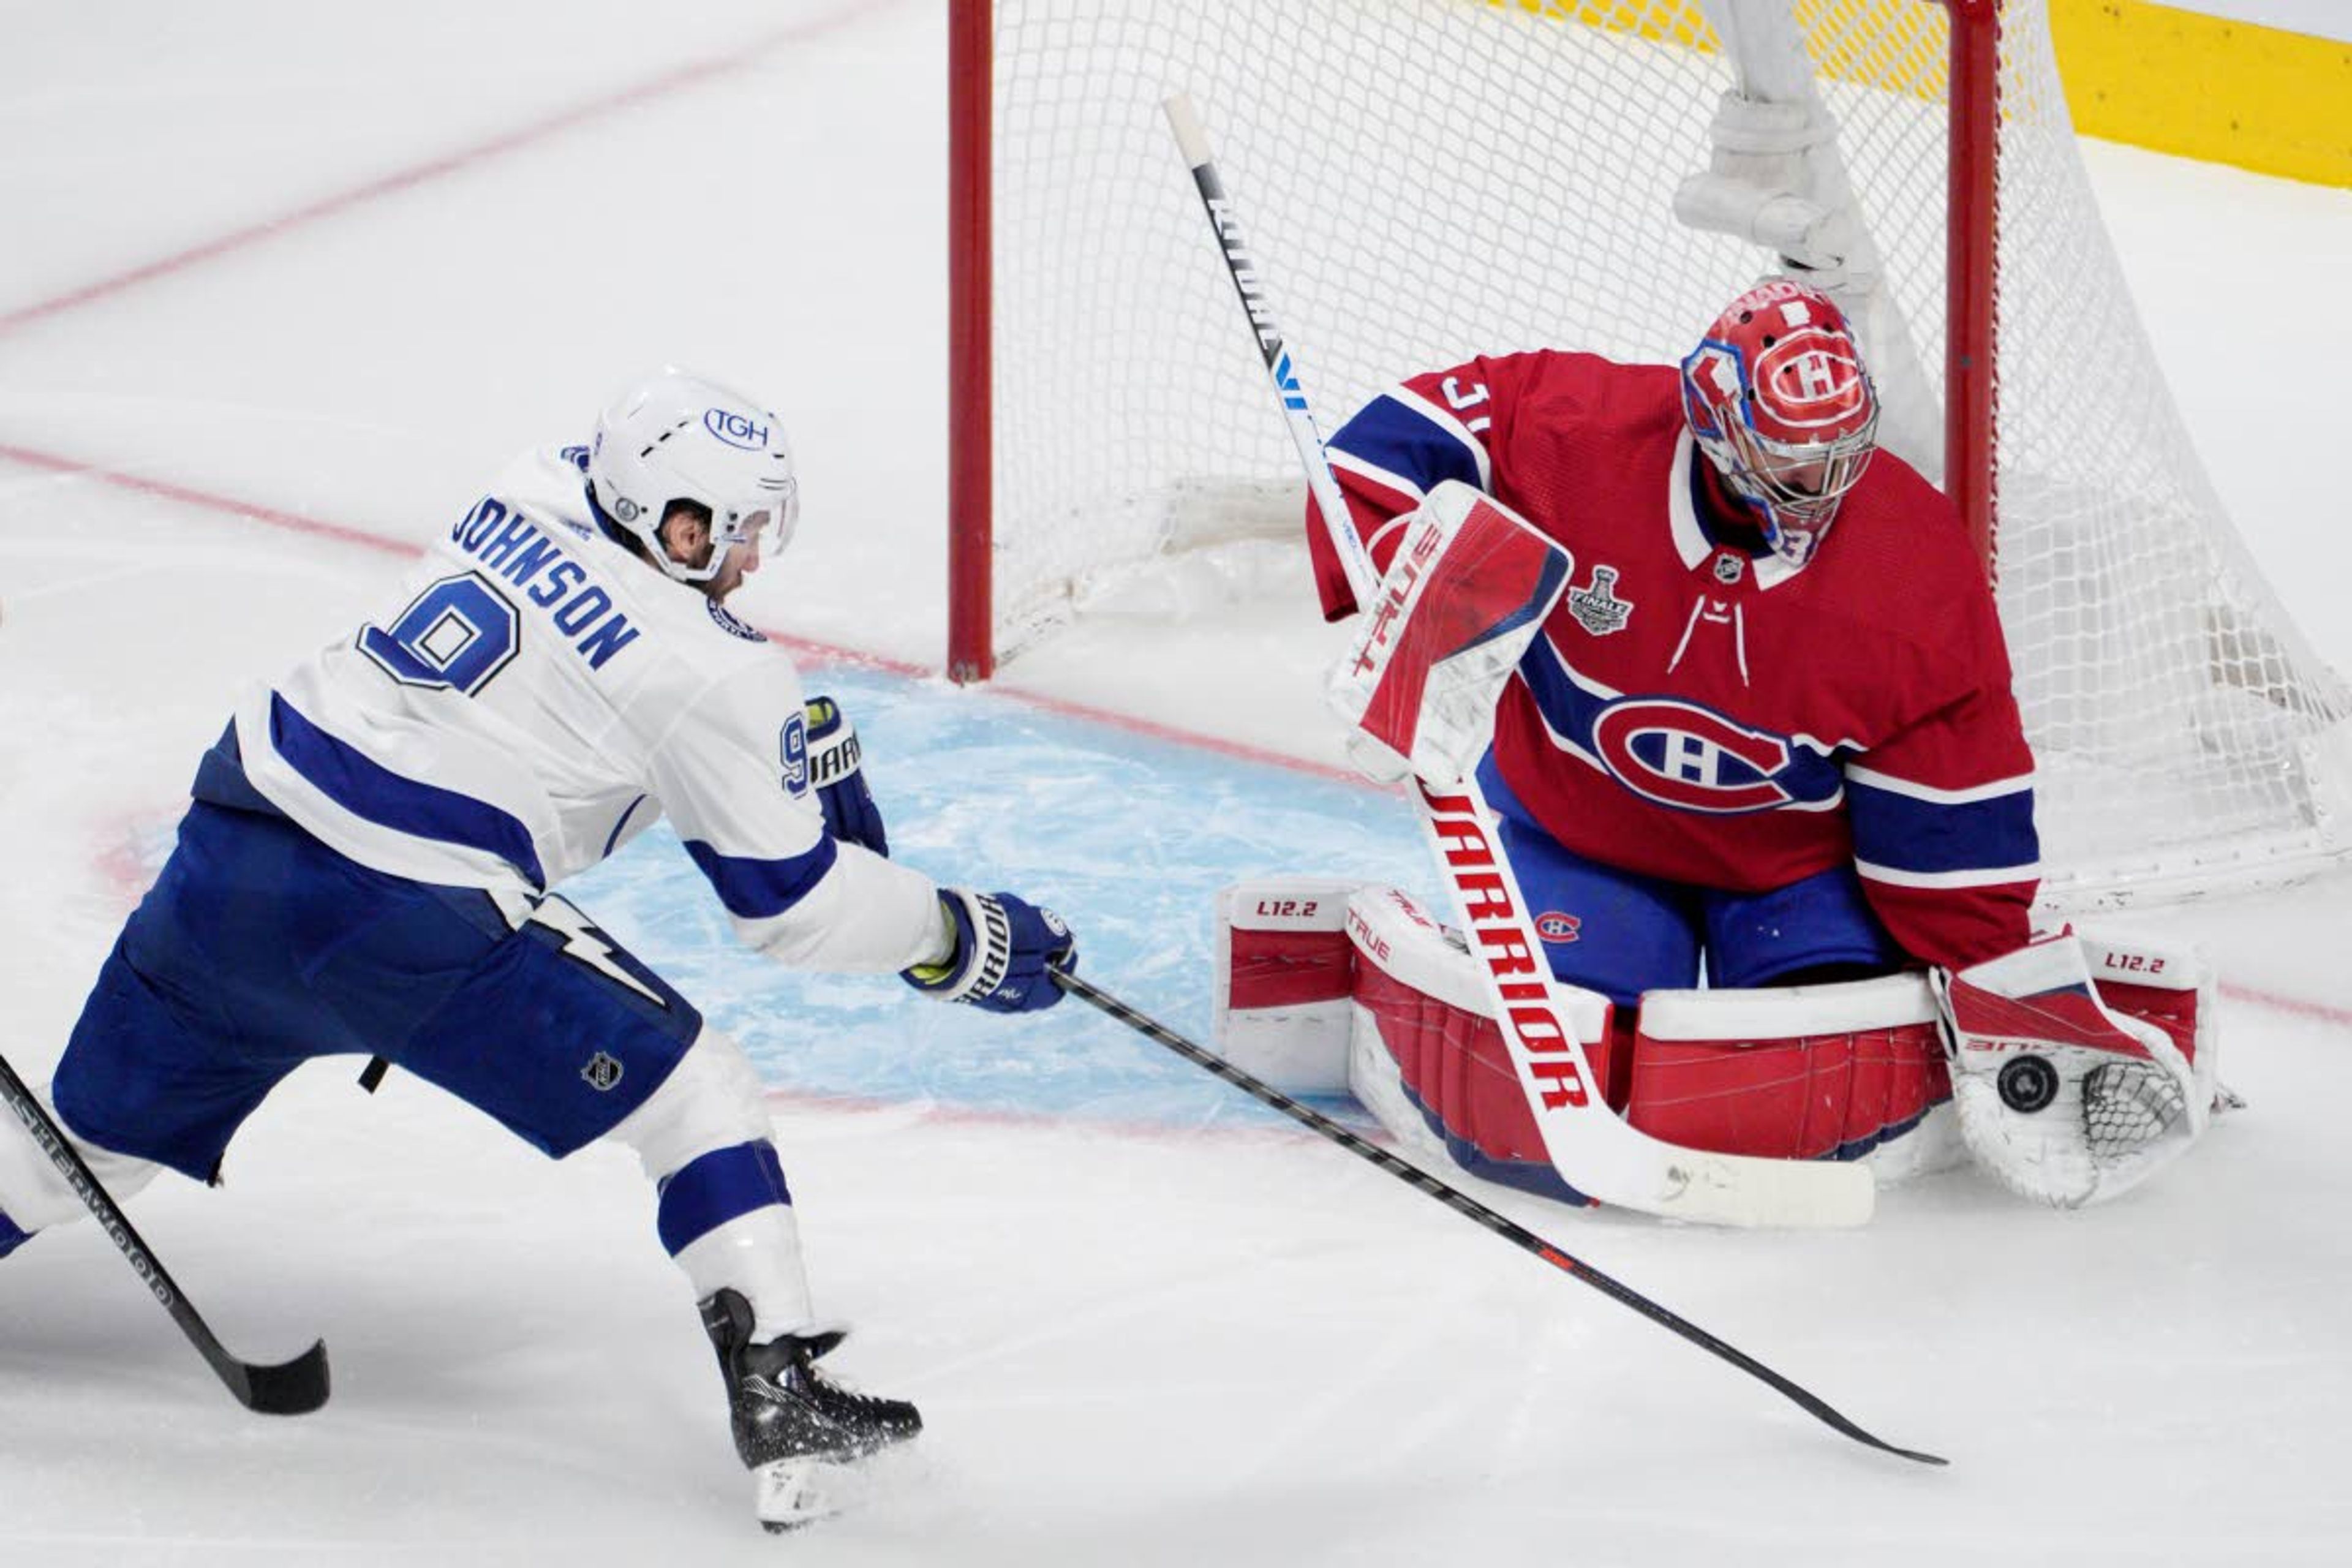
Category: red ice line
[692,74]
[2319,1011]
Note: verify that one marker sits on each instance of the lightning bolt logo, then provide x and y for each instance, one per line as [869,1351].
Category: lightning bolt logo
[582,940]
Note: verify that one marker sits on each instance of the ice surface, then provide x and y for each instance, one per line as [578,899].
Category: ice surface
[1147,1322]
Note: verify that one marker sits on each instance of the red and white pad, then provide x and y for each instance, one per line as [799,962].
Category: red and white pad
[1325,986]
[2080,1065]
[1465,593]
[1850,1071]
[1284,969]
[1428,1060]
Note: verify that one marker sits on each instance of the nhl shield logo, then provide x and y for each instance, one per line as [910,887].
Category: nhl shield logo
[1596,607]
[1727,568]
[602,1071]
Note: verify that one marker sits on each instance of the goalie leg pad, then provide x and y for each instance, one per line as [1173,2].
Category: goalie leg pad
[1284,971]
[1806,1072]
[1465,593]
[1428,1059]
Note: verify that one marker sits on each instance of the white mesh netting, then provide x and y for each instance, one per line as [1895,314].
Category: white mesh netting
[1425,180]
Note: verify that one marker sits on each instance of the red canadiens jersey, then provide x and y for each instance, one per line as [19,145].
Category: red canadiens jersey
[1696,711]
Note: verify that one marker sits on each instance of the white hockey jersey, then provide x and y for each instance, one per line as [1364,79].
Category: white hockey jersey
[536,697]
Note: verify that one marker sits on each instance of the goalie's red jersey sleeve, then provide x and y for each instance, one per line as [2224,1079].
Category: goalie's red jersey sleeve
[1942,814]
[1410,439]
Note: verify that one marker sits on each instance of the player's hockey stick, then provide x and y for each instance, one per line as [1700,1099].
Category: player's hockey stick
[1598,1154]
[289,1388]
[1470,1208]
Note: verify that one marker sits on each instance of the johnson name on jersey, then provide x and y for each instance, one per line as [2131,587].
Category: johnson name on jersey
[1750,722]
[534,697]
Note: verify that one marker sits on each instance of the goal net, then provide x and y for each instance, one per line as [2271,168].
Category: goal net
[1110,414]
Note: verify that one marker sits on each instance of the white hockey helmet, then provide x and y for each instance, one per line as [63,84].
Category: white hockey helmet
[676,436]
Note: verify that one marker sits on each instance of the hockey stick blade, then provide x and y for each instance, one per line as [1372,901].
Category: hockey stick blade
[1597,1153]
[294,1387]
[1470,1208]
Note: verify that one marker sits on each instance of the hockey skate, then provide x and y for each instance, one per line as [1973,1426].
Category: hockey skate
[797,1431]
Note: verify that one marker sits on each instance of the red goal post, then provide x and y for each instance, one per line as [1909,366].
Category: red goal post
[1437,178]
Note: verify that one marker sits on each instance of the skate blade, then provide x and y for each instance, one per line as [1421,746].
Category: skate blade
[791,1493]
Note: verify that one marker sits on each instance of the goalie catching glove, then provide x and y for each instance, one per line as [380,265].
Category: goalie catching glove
[1465,593]
[2080,1067]
[1004,946]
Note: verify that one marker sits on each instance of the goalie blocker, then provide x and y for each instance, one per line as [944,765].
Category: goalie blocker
[1326,988]
[1466,590]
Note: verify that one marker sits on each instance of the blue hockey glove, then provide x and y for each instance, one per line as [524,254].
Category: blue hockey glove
[850,813]
[1004,946]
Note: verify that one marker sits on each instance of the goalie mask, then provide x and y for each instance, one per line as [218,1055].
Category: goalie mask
[1777,397]
[676,437]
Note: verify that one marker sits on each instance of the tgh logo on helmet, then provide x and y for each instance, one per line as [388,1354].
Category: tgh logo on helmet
[736,429]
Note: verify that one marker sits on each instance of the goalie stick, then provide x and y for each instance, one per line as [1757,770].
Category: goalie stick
[295,1388]
[1600,1157]
[1470,1208]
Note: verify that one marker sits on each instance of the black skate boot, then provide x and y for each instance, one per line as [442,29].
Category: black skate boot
[795,1429]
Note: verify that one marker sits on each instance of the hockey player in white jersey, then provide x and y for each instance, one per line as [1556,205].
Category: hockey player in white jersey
[370,861]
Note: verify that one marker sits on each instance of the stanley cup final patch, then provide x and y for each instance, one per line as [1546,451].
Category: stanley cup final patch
[1596,607]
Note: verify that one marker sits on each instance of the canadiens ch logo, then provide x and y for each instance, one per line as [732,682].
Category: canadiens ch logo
[1553,926]
[1680,754]
[1596,607]
[602,1071]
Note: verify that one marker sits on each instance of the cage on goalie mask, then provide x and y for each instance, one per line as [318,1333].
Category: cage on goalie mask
[674,437]
[1776,396]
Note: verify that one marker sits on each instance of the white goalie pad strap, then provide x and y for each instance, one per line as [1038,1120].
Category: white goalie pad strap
[2063,1097]
[1853,1070]
[1789,1011]
[1283,969]
[1467,590]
